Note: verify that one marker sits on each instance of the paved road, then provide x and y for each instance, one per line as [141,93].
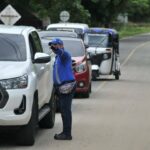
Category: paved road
[116,117]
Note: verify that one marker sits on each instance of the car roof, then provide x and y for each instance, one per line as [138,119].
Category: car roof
[69,25]
[57,33]
[15,29]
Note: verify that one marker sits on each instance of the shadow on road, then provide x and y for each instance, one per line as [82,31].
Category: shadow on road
[8,137]
[104,79]
[7,140]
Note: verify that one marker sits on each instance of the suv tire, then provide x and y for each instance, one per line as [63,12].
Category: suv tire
[48,121]
[26,135]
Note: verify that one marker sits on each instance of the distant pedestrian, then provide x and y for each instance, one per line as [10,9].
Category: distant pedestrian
[64,83]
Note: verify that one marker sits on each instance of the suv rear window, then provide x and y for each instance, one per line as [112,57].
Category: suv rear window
[12,47]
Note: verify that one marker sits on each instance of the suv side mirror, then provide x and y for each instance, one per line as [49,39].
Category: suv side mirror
[41,58]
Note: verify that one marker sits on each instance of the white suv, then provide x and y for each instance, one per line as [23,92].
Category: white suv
[26,86]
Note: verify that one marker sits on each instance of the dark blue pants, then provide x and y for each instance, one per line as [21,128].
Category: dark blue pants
[65,101]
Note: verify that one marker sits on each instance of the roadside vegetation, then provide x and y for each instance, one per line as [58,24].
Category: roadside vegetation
[96,13]
[133,29]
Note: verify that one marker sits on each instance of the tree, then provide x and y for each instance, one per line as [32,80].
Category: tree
[23,3]
[104,12]
[139,10]
[76,10]
[52,8]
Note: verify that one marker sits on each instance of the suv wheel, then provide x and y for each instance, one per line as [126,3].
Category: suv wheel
[49,119]
[95,74]
[117,76]
[26,134]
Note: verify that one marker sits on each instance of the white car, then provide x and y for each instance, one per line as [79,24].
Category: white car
[79,28]
[67,27]
[26,86]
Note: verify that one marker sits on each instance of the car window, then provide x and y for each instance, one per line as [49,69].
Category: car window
[35,44]
[96,40]
[46,48]
[12,47]
[75,48]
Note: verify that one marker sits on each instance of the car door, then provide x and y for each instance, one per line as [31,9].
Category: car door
[42,71]
[48,51]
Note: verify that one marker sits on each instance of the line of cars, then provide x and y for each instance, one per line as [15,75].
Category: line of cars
[102,45]
[75,46]
[99,45]
[27,96]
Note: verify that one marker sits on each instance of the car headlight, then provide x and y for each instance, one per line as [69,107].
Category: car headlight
[80,68]
[15,83]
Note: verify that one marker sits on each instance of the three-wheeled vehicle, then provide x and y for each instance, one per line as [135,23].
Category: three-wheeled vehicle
[104,52]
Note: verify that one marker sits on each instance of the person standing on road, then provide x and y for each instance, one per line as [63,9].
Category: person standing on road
[64,83]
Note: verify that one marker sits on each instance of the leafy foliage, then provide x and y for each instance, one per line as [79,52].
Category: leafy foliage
[139,10]
[104,12]
[93,12]
[76,10]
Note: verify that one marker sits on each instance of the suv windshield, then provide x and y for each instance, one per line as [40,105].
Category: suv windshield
[12,47]
[98,40]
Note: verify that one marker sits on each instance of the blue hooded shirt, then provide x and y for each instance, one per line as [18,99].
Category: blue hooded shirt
[62,71]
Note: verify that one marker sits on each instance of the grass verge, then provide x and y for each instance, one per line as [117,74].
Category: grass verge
[133,29]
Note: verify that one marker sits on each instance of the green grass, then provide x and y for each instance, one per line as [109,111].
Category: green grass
[133,29]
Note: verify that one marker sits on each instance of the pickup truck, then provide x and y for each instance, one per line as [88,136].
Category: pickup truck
[27,96]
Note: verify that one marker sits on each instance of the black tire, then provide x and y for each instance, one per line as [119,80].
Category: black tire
[117,76]
[49,120]
[26,135]
[94,75]
[90,90]
[116,73]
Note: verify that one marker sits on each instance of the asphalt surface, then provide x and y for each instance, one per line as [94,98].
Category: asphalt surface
[116,116]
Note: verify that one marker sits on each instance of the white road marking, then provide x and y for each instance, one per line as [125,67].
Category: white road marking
[132,52]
